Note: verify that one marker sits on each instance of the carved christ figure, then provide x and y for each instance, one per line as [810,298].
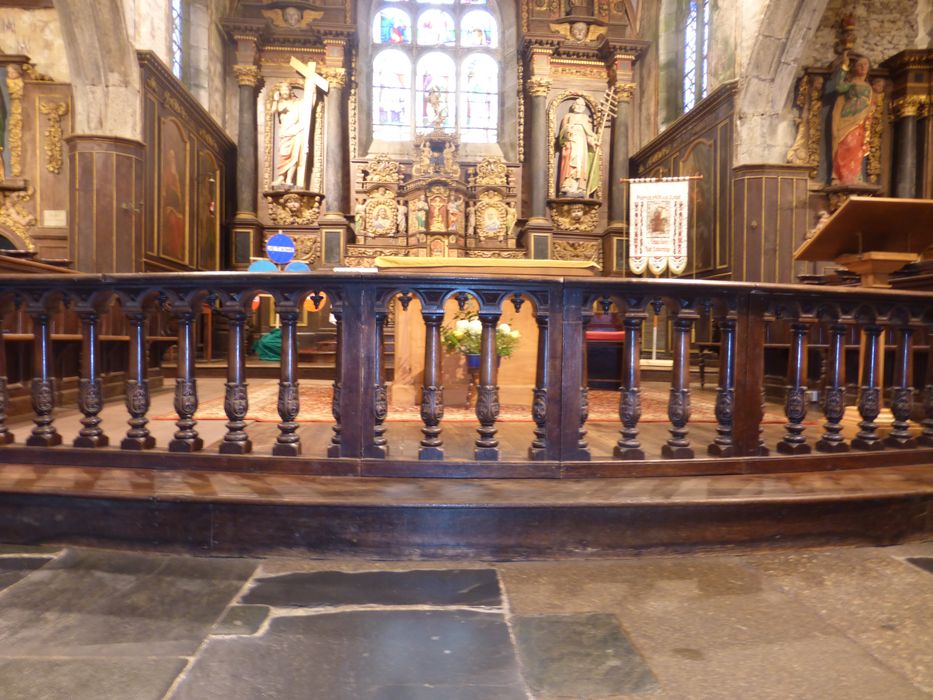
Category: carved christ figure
[293,125]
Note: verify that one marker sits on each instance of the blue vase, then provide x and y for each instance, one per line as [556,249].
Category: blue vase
[473,361]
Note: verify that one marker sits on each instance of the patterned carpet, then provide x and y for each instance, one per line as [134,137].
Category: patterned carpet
[604,407]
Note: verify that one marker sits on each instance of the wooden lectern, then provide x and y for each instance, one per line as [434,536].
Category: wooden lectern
[873,237]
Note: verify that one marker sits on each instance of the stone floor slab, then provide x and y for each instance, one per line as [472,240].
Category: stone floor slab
[14,569]
[473,587]
[362,655]
[101,603]
[579,656]
[241,620]
[87,679]
[925,563]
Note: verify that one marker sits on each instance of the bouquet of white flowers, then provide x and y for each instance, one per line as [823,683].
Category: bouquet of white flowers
[466,332]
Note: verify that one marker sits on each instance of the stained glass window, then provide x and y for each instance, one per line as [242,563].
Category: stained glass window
[442,72]
[178,32]
[392,95]
[392,26]
[695,52]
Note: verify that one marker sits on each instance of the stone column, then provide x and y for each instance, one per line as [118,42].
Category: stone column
[538,89]
[247,76]
[618,166]
[336,152]
[905,130]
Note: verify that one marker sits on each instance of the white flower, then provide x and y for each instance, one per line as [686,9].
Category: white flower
[505,328]
[475,326]
[332,320]
[462,324]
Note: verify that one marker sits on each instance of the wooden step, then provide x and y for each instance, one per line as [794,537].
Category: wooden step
[226,513]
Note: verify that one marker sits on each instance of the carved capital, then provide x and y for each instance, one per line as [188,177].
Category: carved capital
[909,105]
[624,91]
[335,77]
[538,86]
[246,74]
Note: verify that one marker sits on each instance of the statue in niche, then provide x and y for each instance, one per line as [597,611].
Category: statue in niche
[425,161]
[359,218]
[450,160]
[421,214]
[471,220]
[578,175]
[402,219]
[455,214]
[511,218]
[438,214]
[855,104]
[289,132]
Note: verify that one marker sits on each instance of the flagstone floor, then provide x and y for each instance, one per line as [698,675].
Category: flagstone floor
[847,623]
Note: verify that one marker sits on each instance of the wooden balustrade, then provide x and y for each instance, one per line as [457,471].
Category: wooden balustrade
[558,403]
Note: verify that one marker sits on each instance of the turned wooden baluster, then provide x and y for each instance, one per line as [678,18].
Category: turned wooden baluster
[44,433]
[902,394]
[236,396]
[539,445]
[6,437]
[333,450]
[628,446]
[381,403]
[288,442]
[795,404]
[137,387]
[869,401]
[723,445]
[487,394]
[186,387]
[432,393]
[926,437]
[834,403]
[678,406]
[90,391]
[583,446]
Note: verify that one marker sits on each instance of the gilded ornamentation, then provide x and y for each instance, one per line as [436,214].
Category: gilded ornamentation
[307,247]
[16,87]
[292,17]
[590,251]
[173,104]
[625,91]
[910,105]
[875,128]
[382,168]
[336,77]
[14,216]
[575,216]
[497,254]
[797,155]
[246,74]
[492,216]
[293,208]
[491,171]
[55,111]
[381,213]
[538,86]
[520,101]
[353,108]
[579,32]
[813,118]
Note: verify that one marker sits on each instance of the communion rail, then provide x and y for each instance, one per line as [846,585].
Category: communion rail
[361,442]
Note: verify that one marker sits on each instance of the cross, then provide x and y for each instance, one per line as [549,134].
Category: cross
[313,81]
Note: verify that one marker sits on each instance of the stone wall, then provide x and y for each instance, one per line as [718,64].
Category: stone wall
[884,28]
[37,34]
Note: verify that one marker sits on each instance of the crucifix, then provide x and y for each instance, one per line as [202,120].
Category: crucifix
[313,81]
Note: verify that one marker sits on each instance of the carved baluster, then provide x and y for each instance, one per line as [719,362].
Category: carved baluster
[723,445]
[43,390]
[432,393]
[834,403]
[6,437]
[288,442]
[487,395]
[381,407]
[795,403]
[333,450]
[137,388]
[628,446]
[236,397]
[539,445]
[902,394]
[926,437]
[90,391]
[186,388]
[678,406]
[583,446]
[869,401]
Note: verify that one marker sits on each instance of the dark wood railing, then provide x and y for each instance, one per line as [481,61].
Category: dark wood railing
[562,308]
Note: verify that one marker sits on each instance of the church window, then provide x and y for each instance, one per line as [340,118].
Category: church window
[695,52]
[178,33]
[440,70]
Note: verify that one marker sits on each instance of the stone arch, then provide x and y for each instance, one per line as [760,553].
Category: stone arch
[104,71]
[763,120]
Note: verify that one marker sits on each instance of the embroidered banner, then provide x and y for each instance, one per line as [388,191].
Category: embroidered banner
[658,225]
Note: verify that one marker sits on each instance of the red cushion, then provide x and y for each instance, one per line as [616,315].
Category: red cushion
[606,336]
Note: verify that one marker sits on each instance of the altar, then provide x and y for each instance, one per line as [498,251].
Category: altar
[516,373]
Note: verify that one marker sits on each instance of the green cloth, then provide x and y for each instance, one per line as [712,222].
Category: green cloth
[269,346]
